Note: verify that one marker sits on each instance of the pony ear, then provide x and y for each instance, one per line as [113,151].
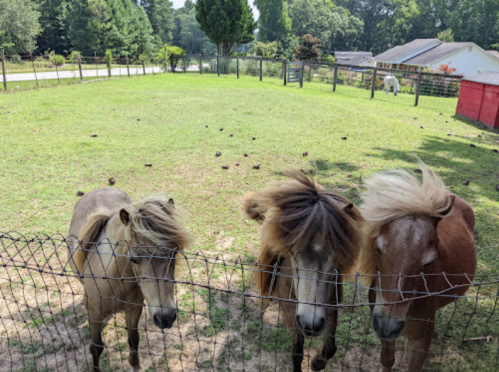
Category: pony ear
[452,200]
[349,209]
[172,202]
[124,217]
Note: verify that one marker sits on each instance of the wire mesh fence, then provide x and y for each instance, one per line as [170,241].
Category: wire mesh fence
[221,323]
[28,72]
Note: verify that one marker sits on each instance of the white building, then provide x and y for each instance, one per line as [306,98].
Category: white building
[467,58]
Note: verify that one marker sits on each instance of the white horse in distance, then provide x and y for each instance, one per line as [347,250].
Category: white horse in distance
[391,82]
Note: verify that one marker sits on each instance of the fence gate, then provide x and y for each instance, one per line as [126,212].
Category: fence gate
[294,69]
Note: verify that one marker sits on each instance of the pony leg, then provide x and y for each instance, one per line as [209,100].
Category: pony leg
[298,342]
[132,321]
[329,347]
[97,346]
[387,355]
[419,335]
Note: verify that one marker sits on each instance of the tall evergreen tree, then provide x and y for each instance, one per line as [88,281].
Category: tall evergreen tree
[160,13]
[274,23]
[227,23]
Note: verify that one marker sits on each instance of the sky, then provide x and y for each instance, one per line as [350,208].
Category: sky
[180,3]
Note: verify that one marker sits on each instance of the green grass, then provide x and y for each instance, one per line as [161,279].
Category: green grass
[47,153]
[173,121]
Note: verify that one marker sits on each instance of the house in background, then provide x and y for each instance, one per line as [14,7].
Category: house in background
[468,58]
[359,59]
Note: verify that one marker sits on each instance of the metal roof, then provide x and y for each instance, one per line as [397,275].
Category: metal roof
[437,53]
[489,78]
[495,53]
[400,51]
[351,55]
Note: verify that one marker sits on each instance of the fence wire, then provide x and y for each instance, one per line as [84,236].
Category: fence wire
[222,323]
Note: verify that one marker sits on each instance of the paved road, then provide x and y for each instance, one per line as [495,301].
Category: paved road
[76,74]
[90,73]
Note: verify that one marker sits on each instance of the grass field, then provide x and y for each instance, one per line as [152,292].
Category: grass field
[175,122]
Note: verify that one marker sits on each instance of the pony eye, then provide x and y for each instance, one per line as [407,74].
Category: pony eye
[379,251]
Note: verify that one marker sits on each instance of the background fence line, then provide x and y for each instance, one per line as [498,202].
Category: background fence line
[222,323]
[20,71]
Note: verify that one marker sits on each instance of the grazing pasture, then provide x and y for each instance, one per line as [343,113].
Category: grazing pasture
[178,124]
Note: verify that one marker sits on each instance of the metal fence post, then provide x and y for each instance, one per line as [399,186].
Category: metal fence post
[418,88]
[127,66]
[79,68]
[284,70]
[373,85]
[3,70]
[34,69]
[144,67]
[302,70]
[237,67]
[183,63]
[218,65]
[57,71]
[335,77]
[261,69]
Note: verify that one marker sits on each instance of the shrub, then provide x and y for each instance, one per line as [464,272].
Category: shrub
[16,59]
[58,60]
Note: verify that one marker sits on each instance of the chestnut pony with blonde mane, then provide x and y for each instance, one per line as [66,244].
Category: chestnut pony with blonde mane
[419,231]
[125,253]
[310,236]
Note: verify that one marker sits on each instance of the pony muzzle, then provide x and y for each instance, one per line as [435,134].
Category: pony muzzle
[387,327]
[164,318]
[310,320]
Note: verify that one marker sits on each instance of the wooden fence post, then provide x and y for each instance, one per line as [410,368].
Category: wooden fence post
[183,63]
[3,70]
[373,85]
[218,65]
[108,68]
[302,70]
[200,65]
[310,74]
[285,71]
[127,66]
[335,77]
[34,69]
[261,69]
[418,88]
[144,67]
[79,67]
[237,67]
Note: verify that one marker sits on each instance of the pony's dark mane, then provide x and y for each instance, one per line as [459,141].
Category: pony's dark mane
[298,213]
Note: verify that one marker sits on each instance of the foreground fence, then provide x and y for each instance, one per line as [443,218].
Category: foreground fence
[222,323]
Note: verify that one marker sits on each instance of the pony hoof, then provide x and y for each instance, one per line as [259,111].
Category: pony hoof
[318,364]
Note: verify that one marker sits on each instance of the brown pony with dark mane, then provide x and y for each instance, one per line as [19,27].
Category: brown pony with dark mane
[419,231]
[310,236]
[124,253]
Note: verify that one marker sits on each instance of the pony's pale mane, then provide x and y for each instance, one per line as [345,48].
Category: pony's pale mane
[395,194]
[156,221]
[295,214]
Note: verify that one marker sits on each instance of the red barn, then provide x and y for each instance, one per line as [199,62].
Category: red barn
[479,98]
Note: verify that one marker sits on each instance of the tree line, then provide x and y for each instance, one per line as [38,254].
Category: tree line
[377,25]
[143,27]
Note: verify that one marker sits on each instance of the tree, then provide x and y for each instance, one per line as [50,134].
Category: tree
[309,49]
[227,23]
[19,26]
[446,36]
[187,33]
[167,55]
[53,21]
[332,24]
[160,14]
[266,50]
[274,23]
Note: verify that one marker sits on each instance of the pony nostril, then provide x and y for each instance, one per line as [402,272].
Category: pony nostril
[319,325]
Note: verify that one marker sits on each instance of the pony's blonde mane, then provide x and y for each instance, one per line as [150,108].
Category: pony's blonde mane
[154,222]
[394,194]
